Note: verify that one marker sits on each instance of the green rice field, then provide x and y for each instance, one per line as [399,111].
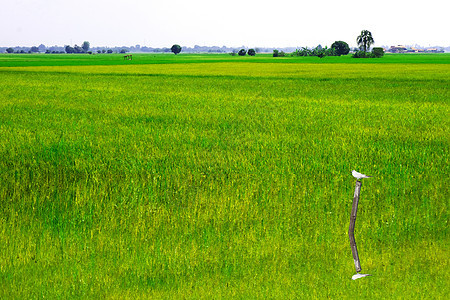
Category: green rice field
[220,177]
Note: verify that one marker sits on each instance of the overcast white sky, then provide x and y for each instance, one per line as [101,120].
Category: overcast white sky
[252,23]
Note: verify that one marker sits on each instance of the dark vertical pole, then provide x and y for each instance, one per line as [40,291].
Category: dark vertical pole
[351,229]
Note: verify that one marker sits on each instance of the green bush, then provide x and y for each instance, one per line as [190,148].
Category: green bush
[176,49]
[319,51]
[242,52]
[277,53]
[302,52]
[362,54]
[341,48]
[251,52]
[378,52]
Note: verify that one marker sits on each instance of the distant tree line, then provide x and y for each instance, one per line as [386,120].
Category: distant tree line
[364,40]
[243,52]
[34,49]
[134,49]
[84,48]
[338,48]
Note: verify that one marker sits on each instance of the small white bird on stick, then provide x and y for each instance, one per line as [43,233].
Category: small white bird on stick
[359,176]
[357,275]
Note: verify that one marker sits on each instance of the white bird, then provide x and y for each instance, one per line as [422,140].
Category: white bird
[357,276]
[359,176]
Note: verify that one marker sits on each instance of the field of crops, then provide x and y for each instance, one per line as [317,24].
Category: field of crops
[219,177]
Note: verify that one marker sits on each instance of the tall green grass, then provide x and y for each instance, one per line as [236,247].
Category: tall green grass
[223,180]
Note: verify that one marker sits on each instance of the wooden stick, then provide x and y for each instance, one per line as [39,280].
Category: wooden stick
[351,228]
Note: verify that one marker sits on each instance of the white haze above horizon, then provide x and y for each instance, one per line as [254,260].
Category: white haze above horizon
[250,23]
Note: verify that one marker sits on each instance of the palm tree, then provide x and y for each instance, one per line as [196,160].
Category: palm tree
[365,39]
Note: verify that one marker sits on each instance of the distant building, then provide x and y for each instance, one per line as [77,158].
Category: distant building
[398,49]
[416,50]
